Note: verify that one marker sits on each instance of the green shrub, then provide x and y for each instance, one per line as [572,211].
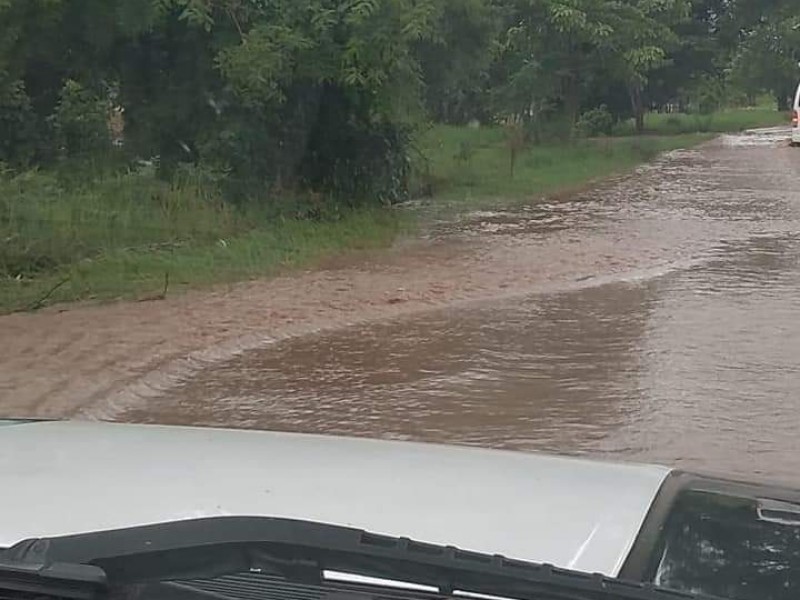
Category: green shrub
[597,121]
[81,122]
[703,122]
[45,224]
[17,124]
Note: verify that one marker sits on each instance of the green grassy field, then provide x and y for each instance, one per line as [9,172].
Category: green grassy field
[482,177]
[720,122]
[118,236]
[471,168]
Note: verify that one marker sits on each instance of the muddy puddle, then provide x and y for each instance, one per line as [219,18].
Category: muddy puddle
[662,325]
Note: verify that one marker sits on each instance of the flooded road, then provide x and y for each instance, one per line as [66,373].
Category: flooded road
[685,351]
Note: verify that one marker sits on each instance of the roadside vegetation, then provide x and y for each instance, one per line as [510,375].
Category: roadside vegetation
[468,168]
[471,169]
[135,236]
[148,146]
[719,121]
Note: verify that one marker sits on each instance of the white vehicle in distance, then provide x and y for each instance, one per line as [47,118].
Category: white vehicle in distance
[796,118]
[93,510]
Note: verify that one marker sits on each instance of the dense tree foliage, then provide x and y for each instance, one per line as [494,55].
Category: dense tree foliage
[322,96]
[768,50]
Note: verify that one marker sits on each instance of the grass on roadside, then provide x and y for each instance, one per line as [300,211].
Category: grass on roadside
[118,237]
[726,121]
[471,168]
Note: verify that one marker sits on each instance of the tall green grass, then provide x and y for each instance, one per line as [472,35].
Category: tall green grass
[45,224]
[472,167]
[726,121]
[122,236]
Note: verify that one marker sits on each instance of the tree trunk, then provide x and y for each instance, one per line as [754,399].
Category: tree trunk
[782,102]
[635,93]
[572,99]
[536,123]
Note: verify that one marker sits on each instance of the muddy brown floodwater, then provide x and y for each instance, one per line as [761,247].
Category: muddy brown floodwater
[654,318]
[687,354]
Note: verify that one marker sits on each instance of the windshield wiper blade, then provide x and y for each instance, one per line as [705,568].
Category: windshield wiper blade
[302,551]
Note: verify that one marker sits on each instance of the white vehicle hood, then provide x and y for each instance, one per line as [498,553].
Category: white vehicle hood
[62,478]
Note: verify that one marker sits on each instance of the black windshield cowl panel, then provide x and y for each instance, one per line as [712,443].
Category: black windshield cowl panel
[301,551]
[76,581]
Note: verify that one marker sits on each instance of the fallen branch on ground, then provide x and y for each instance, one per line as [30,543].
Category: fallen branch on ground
[39,303]
[162,295]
